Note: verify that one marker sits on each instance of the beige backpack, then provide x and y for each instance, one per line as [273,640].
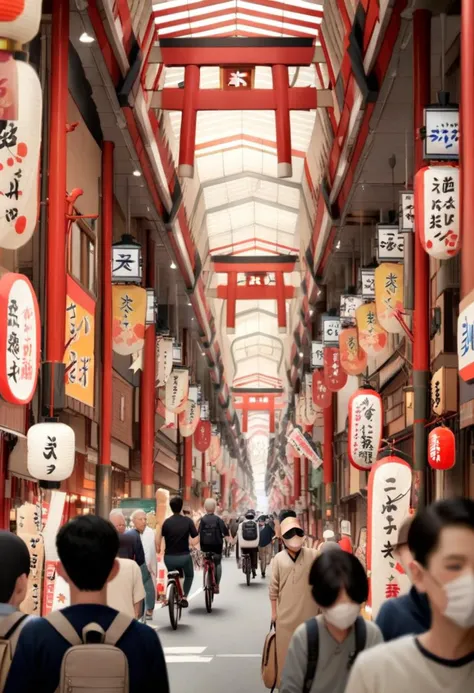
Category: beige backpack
[99,667]
[10,628]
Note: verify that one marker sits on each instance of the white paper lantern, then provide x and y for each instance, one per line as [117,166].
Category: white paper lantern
[51,451]
[20,19]
[19,162]
[176,390]
[365,428]
[437,210]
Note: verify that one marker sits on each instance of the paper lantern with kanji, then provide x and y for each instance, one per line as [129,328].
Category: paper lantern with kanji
[322,395]
[51,451]
[176,390]
[372,337]
[20,19]
[353,358]
[189,418]
[365,428]
[441,448]
[164,359]
[388,504]
[335,376]
[20,141]
[202,436]
[128,313]
[389,296]
[437,210]
[20,339]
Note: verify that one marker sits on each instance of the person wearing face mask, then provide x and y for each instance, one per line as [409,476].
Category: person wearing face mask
[290,593]
[409,614]
[441,540]
[322,650]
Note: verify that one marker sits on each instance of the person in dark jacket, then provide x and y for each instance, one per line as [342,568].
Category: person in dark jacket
[409,614]
[130,543]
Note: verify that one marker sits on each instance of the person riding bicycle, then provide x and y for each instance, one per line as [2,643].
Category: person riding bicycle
[212,531]
[249,538]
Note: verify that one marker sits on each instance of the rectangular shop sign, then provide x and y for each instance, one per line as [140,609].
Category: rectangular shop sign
[406,219]
[466,339]
[331,329]
[348,306]
[80,341]
[390,243]
[317,355]
[442,133]
[367,281]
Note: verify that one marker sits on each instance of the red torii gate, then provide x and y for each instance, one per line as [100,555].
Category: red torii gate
[261,399]
[279,54]
[256,270]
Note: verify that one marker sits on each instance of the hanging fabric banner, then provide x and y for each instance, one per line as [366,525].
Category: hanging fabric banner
[334,375]
[365,428]
[164,359]
[161,410]
[129,312]
[189,418]
[176,390]
[214,449]
[309,411]
[389,296]
[353,358]
[437,210]
[388,505]
[322,396]
[303,447]
[202,436]
[372,337]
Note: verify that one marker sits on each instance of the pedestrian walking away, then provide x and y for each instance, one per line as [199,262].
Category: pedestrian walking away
[212,531]
[150,567]
[265,546]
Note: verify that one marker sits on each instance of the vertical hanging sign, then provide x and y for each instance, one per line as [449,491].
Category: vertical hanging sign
[437,210]
[80,343]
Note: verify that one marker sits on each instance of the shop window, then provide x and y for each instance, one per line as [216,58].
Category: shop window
[82,256]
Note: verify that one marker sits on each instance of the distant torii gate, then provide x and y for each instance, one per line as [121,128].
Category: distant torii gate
[261,279]
[239,54]
[261,399]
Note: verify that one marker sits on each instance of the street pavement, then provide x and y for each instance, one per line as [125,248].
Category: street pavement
[212,653]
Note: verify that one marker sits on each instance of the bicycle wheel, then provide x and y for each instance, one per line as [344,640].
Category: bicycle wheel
[173,606]
[247,570]
[208,592]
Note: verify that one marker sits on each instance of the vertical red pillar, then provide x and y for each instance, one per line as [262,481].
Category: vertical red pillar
[104,469]
[272,415]
[188,468]
[421,316]
[467,149]
[187,140]
[4,521]
[328,467]
[297,477]
[245,420]
[57,208]
[281,302]
[231,300]
[282,116]
[147,389]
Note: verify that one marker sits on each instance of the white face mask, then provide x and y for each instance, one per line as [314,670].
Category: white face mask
[460,594]
[294,544]
[342,615]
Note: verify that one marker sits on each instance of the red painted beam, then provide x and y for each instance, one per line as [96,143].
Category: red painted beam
[221,266]
[253,293]
[281,303]
[231,295]
[294,251]
[274,4]
[297,56]
[187,140]
[258,406]
[174,99]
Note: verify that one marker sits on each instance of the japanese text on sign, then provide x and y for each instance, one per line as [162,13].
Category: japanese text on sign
[407,211]
[390,244]
[442,134]
[331,329]
[367,278]
[317,355]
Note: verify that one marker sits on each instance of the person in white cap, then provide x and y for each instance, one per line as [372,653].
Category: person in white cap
[290,593]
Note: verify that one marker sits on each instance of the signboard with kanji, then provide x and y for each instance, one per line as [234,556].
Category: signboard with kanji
[407,211]
[80,337]
[317,355]
[437,210]
[390,243]
[466,340]
[442,133]
[237,78]
[367,281]
[331,329]
[348,306]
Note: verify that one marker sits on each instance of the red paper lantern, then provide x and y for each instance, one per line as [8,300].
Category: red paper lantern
[441,448]
[322,396]
[202,436]
[335,376]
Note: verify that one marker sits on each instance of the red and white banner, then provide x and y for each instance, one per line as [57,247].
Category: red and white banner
[365,428]
[322,396]
[164,359]
[389,491]
[334,375]
[303,448]
[176,390]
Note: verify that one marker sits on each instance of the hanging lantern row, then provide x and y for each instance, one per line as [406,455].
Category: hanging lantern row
[365,428]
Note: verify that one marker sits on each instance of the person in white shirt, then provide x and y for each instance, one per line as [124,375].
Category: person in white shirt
[126,591]
[441,540]
[150,567]
[249,538]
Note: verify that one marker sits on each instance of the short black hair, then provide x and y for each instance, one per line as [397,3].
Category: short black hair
[176,504]
[15,562]
[286,513]
[334,570]
[87,547]
[427,525]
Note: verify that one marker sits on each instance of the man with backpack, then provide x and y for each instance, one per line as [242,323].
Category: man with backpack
[212,531]
[88,646]
[249,538]
[322,650]
[14,571]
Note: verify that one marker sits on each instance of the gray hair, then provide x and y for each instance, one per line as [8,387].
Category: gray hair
[136,513]
[116,512]
[210,505]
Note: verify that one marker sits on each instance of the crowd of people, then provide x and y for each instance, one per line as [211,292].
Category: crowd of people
[324,640]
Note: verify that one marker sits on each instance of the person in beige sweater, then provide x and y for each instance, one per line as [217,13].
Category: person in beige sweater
[290,593]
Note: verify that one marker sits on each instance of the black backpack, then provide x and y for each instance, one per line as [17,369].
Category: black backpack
[210,531]
[249,530]
[312,634]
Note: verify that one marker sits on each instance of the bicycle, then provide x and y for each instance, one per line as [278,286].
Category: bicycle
[209,580]
[246,566]
[174,595]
